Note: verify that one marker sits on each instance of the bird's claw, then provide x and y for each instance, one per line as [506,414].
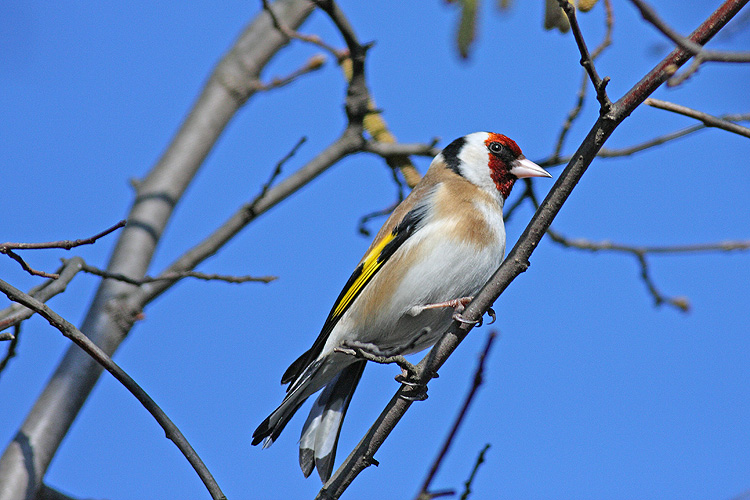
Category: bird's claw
[417,396]
[458,317]
[491,314]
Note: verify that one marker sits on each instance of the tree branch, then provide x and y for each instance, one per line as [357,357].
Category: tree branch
[75,335]
[688,45]
[708,120]
[15,314]
[600,85]
[574,113]
[477,381]
[470,480]
[637,148]
[8,247]
[11,352]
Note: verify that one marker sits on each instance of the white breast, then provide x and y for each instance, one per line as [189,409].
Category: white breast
[442,265]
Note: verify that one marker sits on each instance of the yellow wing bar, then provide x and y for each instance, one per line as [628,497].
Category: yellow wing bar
[370,264]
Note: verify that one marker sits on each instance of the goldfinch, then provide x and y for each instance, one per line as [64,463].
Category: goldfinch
[442,243]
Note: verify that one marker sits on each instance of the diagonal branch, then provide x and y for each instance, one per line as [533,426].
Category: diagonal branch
[636,148]
[600,85]
[75,335]
[694,49]
[573,114]
[15,314]
[477,381]
[708,120]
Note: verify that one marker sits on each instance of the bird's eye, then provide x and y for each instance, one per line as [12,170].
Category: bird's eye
[495,147]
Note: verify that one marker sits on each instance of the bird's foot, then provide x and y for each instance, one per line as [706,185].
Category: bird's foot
[371,352]
[408,375]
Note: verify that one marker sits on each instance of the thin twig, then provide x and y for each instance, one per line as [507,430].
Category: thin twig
[468,483]
[75,335]
[477,381]
[396,149]
[600,85]
[696,49]
[174,276]
[700,54]
[681,303]
[705,118]
[17,313]
[640,253]
[339,54]
[581,96]
[362,226]
[8,247]
[64,244]
[277,171]
[629,150]
[313,64]
[12,345]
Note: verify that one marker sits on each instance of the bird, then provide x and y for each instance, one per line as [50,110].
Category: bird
[439,246]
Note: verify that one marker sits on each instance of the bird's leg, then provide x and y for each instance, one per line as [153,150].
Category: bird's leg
[458,305]
[370,352]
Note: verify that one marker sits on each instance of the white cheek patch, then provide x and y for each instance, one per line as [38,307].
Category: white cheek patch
[475,158]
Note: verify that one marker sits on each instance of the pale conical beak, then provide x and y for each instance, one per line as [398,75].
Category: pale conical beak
[526,168]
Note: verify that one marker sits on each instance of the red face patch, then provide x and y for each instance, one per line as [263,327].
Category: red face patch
[498,161]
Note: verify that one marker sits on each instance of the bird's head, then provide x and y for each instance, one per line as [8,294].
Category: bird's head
[491,161]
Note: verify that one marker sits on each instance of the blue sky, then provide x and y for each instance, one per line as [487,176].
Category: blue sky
[591,391]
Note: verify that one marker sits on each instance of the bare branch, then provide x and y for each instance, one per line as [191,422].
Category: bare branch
[8,247]
[627,151]
[468,483]
[708,120]
[695,49]
[477,381]
[395,149]
[277,171]
[71,332]
[17,313]
[600,85]
[362,225]
[175,276]
[34,272]
[313,64]
[64,244]
[573,113]
[12,345]
[640,252]
[339,54]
